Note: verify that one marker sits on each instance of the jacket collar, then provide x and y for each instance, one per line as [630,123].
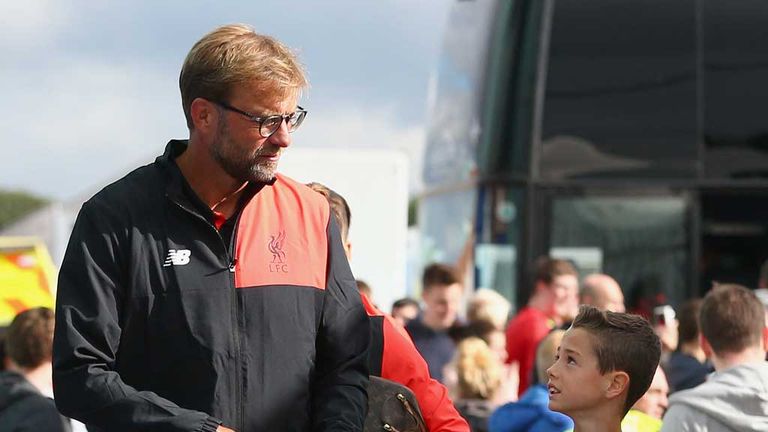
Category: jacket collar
[178,190]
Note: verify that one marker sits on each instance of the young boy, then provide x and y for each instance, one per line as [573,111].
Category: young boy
[604,364]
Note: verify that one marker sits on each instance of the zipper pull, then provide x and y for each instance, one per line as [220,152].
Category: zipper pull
[232,265]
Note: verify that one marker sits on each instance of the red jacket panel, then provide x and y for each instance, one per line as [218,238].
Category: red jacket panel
[402,363]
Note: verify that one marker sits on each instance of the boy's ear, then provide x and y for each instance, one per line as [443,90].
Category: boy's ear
[618,382]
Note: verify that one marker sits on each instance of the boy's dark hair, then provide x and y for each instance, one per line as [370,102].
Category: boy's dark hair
[438,274]
[547,269]
[688,321]
[29,340]
[407,301]
[339,207]
[732,318]
[623,342]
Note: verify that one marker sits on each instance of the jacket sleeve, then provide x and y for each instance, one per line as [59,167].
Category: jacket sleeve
[403,364]
[87,335]
[339,397]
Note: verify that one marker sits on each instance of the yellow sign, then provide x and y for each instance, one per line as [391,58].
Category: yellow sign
[27,276]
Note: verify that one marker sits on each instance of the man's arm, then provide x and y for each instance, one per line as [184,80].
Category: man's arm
[87,336]
[339,398]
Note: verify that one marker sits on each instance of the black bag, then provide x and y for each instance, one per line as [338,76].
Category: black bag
[392,407]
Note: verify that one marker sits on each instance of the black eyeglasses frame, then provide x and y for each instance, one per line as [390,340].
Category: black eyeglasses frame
[300,112]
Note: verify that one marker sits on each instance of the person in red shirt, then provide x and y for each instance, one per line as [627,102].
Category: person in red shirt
[556,290]
[392,354]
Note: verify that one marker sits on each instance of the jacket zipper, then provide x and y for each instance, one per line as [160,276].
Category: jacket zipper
[239,373]
[239,412]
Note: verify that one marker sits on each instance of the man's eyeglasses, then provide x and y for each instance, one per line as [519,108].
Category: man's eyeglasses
[270,124]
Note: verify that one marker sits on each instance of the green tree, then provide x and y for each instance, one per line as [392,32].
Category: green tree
[14,205]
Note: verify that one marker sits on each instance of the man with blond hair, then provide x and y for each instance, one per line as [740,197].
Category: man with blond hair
[488,305]
[206,292]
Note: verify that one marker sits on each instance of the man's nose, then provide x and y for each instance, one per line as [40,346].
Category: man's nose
[281,137]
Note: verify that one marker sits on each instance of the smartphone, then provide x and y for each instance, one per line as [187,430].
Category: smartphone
[663,315]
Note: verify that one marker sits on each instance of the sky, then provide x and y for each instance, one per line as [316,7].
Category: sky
[90,88]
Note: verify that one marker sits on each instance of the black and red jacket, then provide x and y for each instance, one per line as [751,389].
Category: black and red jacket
[166,323]
[393,356]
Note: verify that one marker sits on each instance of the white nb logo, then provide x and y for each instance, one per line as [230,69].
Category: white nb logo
[177,257]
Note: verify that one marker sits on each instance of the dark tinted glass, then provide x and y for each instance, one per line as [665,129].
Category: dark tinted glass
[641,241]
[735,59]
[621,90]
[511,80]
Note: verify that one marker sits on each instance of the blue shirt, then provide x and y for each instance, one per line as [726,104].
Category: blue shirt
[530,414]
[436,347]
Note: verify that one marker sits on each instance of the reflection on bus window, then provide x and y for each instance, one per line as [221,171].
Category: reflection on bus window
[641,241]
[620,95]
[735,94]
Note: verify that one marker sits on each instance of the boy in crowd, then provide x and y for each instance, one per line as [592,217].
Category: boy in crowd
[733,330]
[688,366]
[25,386]
[404,310]
[441,292]
[531,412]
[605,363]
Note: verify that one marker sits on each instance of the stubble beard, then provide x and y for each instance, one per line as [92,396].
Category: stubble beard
[239,163]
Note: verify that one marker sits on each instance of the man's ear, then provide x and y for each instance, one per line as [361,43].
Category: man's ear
[204,114]
[705,346]
[618,382]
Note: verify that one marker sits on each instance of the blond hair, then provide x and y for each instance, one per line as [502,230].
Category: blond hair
[478,368]
[488,305]
[234,54]
[545,353]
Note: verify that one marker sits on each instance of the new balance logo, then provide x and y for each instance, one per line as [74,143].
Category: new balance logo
[177,257]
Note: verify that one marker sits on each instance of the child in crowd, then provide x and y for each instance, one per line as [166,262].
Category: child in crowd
[605,363]
[531,413]
[479,373]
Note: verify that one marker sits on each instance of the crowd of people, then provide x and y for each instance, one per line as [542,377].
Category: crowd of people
[206,292]
[710,372]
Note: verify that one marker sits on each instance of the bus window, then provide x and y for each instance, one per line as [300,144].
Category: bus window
[735,94]
[643,242]
[621,91]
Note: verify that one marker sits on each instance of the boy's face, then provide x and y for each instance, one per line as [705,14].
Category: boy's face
[441,305]
[575,382]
